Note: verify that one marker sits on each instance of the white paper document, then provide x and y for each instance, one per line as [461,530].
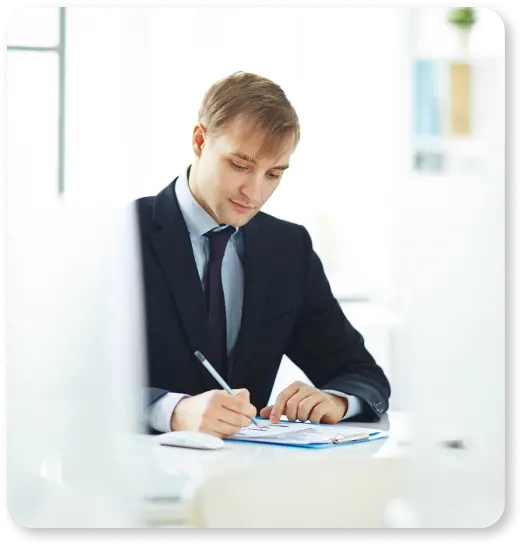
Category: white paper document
[306,434]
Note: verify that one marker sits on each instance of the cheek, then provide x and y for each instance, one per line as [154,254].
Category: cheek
[218,184]
[229,184]
[219,177]
[268,190]
[216,176]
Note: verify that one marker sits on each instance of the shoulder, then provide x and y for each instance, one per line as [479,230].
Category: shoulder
[284,228]
[144,205]
[159,207]
[289,233]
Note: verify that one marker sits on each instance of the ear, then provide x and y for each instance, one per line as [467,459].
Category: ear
[199,137]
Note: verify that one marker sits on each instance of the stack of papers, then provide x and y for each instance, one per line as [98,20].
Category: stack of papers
[307,435]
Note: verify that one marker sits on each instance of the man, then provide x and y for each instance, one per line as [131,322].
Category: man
[242,287]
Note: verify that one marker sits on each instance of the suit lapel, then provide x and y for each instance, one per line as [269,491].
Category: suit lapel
[256,275]
[175,254]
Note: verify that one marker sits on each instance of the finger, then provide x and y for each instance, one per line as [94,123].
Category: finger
[266,411]
[242,393]
[226,429]
[245,395]
[281,401]
[304,392]
[221,432]
[318,411]
[305,406]
[216,433]
[234,402]
[210,429]
[292,405]
[233,418]
[239,405]
[209,424]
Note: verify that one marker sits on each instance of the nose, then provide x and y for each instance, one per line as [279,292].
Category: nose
[252,189]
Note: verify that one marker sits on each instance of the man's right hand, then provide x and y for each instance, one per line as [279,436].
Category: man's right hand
[215,412]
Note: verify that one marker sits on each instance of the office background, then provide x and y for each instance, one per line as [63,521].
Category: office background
[101,104]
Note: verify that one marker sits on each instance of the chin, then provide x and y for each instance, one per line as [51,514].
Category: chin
[237,220]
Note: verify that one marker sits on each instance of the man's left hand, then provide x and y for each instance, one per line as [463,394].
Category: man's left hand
[303,402]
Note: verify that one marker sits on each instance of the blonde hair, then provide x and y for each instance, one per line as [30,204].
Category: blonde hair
[253,99]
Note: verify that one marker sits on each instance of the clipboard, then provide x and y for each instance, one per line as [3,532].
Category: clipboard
[308,435]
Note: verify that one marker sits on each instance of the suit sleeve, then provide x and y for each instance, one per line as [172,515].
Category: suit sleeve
[153,394]
[161,411]
[329,350]
[160,404]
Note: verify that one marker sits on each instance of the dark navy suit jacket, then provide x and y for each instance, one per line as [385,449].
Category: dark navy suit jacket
[288,309]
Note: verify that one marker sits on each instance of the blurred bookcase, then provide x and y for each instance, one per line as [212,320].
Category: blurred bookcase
[455,113]
[457,94]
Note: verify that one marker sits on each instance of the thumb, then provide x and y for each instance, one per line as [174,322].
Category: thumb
[242,393]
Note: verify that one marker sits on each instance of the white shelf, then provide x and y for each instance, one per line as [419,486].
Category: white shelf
[471,59]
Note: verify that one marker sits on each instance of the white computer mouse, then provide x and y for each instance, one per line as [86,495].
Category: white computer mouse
[190,439]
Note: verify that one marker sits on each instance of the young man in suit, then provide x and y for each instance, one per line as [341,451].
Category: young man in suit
[242,287]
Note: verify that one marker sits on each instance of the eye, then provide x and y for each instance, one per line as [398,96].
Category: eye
[243,168]
[238,167]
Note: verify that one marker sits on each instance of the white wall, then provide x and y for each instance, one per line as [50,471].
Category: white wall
[428,250]
[135,78]
[32,112]
[443,223]
[449,268]
[133,95]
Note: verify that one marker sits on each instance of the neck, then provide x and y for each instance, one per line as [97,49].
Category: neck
[193,188]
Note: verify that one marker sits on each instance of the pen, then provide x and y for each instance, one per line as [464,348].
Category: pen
[219,378]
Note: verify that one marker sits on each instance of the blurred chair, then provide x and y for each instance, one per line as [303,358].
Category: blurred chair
[330,494]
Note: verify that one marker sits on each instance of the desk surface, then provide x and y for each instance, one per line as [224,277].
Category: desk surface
[176,472]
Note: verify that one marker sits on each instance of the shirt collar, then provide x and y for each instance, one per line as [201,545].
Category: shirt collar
[197,219]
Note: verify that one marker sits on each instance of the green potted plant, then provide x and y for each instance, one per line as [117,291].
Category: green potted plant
[463,20]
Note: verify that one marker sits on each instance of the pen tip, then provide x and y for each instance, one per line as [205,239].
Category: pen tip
[199,356]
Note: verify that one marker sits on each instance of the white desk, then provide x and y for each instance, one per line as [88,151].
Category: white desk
[178,471]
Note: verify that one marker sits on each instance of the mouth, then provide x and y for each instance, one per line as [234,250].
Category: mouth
[241,208]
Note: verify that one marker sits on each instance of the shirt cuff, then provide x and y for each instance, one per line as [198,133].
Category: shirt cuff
[161,411]
[354,403]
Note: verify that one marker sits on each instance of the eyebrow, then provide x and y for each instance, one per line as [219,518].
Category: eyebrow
[249,159]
